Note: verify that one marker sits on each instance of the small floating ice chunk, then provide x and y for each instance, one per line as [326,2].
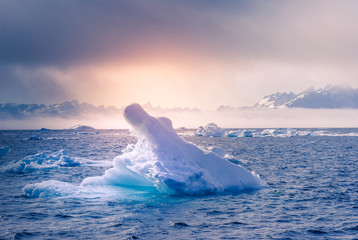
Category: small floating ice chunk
[240,133]
[279,132]
[233,133]
[66,161]
[42,161]
[163,160]
[51,188]
[267,132]
[247,133]
[4,150]
[36,137]
[210,130]
[303,133]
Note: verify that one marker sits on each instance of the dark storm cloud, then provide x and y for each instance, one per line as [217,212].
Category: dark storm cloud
[65,32]
[42,32]
[71,37]
[54,32]
[21,85]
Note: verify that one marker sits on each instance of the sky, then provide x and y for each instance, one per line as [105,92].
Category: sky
[200,53]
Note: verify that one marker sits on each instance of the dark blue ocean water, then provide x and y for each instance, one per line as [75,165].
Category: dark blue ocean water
[311,193]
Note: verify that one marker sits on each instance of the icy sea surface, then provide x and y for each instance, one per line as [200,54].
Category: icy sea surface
[311,192]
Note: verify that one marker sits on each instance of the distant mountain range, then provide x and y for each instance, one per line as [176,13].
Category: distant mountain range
[330,97]
[68,109]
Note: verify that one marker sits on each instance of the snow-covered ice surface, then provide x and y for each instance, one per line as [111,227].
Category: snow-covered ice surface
[311,193]
[161,159]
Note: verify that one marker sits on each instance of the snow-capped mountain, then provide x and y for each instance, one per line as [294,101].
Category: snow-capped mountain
[277,100]
[66,109]
[328,97]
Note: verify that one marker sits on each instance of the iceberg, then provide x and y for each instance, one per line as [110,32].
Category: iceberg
[82,128]
[41,161]
[210,130]
[163,161]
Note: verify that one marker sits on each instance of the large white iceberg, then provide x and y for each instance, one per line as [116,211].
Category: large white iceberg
[162,160]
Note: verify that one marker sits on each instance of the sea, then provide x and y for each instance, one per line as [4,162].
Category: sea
[310,192]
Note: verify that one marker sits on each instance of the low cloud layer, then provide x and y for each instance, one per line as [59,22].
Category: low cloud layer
[72,32]
[23,85]
[250,48]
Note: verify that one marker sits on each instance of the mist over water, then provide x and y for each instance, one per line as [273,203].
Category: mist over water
[234,118]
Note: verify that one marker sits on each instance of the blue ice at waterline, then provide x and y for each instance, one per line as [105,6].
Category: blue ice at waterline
[163,161]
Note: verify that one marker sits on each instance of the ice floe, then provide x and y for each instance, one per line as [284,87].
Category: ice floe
[41,161]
